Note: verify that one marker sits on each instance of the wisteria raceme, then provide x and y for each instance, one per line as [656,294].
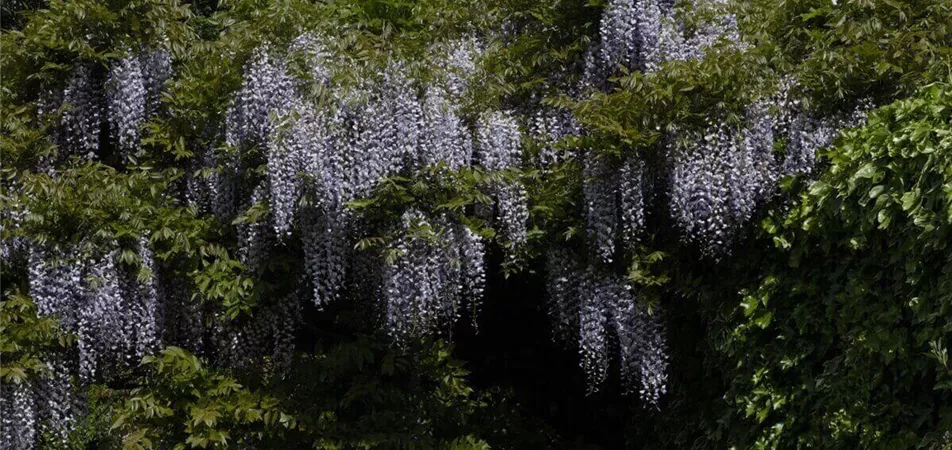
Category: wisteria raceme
[283,321]
[704,182]
[224,183]
[548,127]
[316,56]
[472,256]
[599,188]
[460,64]
[156,66]
[629,31]
[267,87]
[296,140]
[654,359]
[83,117]
[269,333]
[807,134]
[723,27]
[609,317]
[126,95]
[48,103]
[325,235]
[643,355]
[720,177]
[804,132]
[326,246]
[499,148]
[498,142]
[676,45]
[325,165]
[113,314]
[443,136]
[404,124]
[374,142]
[265,96]
[433,266]
[55,402]
[12,248]
[256,238]
[758,156]
[19,421]
[144,303]
[366,283]
[641,34]
[594,315]
[563,293]
[631,202]
[629,326]
[37,412]
[182,318]
[414,291]
[512,212]
[104,333]
[56,285]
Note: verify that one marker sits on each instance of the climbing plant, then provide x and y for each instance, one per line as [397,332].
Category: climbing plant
[253,223]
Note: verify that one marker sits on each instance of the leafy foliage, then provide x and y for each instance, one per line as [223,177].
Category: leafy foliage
[841,344]
[359,394]
[187,405]
[27,340]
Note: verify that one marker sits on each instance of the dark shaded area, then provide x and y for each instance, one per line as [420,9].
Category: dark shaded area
[513,349]
[12,12]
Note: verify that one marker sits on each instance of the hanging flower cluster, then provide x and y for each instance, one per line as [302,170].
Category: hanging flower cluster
[632,199]
[156,66]
[602,312]
[499,149]
[805,132]
[116,316]
[547,127]
[37,410]
[55,401]
[18,424]
[82,119]
[675,44]
[715,180]
[320,155]
[125,94]
[324,144]
[630,31]
[641,34]
[13,247]
[615,195]
[718,179]
[721,175]
[113,313]
[436,266]
[599,190]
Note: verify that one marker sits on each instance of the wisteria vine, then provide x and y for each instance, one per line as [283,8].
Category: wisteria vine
[288,164]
